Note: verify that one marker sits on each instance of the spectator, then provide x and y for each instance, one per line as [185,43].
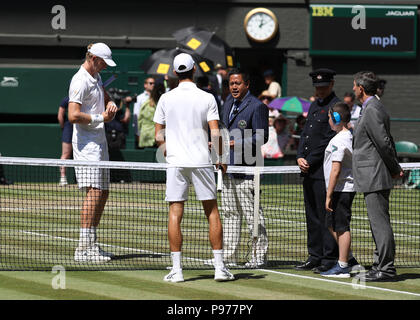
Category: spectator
[243,112]
[274,87]
[117,129]
[146,124]
[3,180]
[266,98]
[204,84]
[284,140]
[381,88]
[297,130]
[221,75]
[271,149]
[66,137]
[148,85]
[348,99]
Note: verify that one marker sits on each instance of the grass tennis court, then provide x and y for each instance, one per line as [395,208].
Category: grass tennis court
[40,229]
[284,284]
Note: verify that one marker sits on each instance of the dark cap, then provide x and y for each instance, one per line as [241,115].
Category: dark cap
[322,77]
[268,73]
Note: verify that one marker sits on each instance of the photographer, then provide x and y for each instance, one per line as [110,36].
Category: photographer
[116,131]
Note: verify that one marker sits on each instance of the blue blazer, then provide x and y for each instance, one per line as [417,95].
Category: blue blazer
[252,115]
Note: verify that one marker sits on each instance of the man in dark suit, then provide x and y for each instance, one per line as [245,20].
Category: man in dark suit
[246,117]
[375,164]
[322,248]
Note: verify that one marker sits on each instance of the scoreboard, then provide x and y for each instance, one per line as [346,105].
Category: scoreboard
[363,30]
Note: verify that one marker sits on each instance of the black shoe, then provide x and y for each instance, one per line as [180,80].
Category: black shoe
[375,275]
[354,265]
[307,265]
[322,268]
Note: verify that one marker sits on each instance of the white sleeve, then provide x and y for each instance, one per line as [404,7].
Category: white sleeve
[212,113]
[338,152]
[159,116]
[76,91]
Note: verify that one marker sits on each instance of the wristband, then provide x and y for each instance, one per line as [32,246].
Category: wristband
[96,118]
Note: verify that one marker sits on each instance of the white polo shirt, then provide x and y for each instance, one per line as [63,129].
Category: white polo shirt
[340,149]
[185,111]
[87,91]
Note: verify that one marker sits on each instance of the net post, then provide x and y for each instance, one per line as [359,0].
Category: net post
[256,203]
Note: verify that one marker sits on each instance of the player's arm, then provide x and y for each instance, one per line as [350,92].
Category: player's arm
[160,134]
[335,173]
[216,140]
[60,116]
[77,116]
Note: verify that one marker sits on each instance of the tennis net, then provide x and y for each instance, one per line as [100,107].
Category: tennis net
[40,220]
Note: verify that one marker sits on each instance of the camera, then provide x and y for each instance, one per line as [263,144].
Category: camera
[117,95]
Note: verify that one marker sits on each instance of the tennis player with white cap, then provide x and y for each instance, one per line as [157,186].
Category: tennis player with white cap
[89,108]
[185,114]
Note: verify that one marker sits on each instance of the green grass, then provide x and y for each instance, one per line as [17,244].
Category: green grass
[39,228]
[199,285]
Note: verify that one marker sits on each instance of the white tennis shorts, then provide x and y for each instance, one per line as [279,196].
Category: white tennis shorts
[87,176]
[179,179]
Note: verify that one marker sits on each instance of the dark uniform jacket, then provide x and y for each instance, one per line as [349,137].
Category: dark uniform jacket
[316,135]
[252,115]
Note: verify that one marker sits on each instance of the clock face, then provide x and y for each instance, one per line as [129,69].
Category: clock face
[261,25]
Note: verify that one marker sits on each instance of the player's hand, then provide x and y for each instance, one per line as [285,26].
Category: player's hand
[303,165]
[231,143]
[328,202]
[110,111]
[398,175]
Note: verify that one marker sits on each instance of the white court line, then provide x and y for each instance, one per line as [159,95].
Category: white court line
[264,270]
[104,245]
[354,285]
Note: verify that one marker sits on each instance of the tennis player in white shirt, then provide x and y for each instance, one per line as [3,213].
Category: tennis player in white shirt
[87,112]
[183,116]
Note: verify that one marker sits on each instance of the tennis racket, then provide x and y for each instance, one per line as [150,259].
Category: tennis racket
[224,133]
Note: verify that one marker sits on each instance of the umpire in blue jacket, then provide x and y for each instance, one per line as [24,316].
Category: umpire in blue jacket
[246,118]
[316,134]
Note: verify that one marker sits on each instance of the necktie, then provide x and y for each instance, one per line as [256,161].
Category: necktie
[236,105]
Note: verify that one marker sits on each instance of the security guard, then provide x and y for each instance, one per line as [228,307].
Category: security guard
[322,248]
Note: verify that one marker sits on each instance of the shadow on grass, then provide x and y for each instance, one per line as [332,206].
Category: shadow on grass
[238,276]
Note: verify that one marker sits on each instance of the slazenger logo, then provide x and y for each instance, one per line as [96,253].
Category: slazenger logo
[400,13]
[9,82]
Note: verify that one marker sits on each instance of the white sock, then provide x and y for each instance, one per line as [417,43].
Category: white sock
[343,264]
[84,238]
[218,258]
[176,260]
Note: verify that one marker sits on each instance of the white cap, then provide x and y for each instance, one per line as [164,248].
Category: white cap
[183,63]
[101,50]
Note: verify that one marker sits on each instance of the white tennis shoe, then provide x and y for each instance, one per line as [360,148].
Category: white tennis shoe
[223,274]
[174,276]
[101,252]
[90,255]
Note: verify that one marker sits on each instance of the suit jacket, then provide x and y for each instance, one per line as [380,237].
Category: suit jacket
[316,135]
[374,155]
[252,115]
